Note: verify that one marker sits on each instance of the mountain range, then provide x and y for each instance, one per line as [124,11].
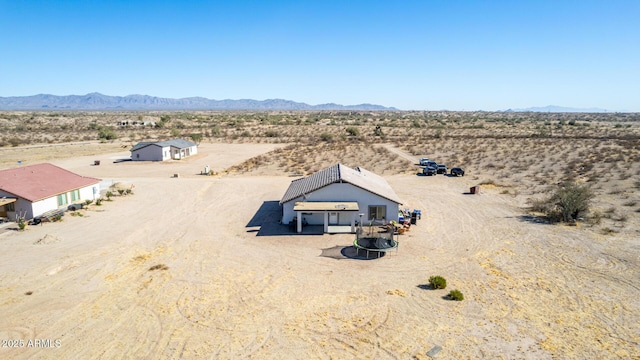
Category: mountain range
[97,101]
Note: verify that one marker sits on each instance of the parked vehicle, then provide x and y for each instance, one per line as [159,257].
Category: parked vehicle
[432,164]
[429,171]
[441,169]
[456,171]
[424,161]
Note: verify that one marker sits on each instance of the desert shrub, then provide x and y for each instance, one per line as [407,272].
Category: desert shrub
[456,295]
[129,191]
[570,202]
[15,142]
[437,282]
[22,223]
[159,267]
[488,182]
[197,138]
[121,191]
[109,194]
[88,202]
[352,131]
[271,133]
[107,133]
[99,202]
[325,136]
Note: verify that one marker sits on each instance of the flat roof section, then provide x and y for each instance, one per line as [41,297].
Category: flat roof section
[5,201]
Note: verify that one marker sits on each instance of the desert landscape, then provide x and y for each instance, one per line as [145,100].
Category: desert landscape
[184,268]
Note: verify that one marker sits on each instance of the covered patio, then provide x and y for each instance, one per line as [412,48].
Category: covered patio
[337,216]
[6,205]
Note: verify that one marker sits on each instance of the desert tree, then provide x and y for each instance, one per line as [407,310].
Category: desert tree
[569,202]
[572,200]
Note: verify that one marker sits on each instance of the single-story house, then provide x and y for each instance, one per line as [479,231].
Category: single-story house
[31,191]
[163,150]
[338,197]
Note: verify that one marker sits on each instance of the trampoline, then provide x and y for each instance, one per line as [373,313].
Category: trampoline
[376,244]
[375,237]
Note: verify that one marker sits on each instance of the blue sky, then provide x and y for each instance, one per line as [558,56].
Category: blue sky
[414,55]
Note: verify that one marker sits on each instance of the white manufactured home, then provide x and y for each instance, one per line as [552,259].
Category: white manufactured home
[339,197]
[33,190]
[163,150]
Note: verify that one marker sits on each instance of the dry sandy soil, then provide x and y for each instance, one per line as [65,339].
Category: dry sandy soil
[197,267]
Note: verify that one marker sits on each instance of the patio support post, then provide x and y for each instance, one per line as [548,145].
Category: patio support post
[299,213]
[326,221]
[353,223]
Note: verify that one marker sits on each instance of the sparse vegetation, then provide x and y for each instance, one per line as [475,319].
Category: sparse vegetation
[437,282]
[352,131]
[456,295]
[22,223]
[325,136]
[159,267]
[523,153]
[107,133]
[569,202]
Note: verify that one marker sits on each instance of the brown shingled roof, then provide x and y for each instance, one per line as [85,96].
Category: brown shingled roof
[340,173]
[41,181]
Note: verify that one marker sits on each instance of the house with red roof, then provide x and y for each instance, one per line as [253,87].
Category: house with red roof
[33,190]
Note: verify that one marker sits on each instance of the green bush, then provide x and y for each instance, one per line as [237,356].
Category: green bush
[569,202]
[107,133]
[325,136]
[99,202]
[456,295]
[22,223]
[352,131]
[437,282]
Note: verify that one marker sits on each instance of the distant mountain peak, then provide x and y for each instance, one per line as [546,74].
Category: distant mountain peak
[98,101]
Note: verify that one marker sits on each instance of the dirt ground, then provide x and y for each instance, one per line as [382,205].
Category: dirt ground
[185,268]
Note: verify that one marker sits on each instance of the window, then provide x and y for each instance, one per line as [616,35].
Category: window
[62,199]
[377,212]
[75,195]
[10,207]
